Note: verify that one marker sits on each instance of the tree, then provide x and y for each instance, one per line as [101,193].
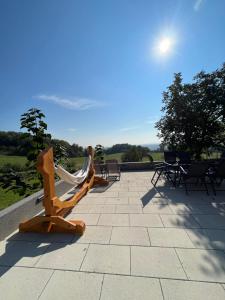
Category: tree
[194,114]
[32,120]
[99,153]
[133,154]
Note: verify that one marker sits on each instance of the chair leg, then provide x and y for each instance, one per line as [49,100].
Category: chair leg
[158,172]
[185,185]
[205,185]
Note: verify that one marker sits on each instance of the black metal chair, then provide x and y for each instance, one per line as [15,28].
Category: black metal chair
[168,171]
[184,158]
[170,157]
[217,175]
[196,171]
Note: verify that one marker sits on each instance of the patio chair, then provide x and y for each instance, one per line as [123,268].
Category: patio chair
[170,157]
[112,169]
[166,169]
[196,171]
[184,158]
[99,169]
[217,175]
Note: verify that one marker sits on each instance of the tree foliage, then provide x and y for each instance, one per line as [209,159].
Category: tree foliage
[194,113]
[33,122]
[136,153]
[99,153]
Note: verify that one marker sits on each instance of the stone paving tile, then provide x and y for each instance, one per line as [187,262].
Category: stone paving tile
[179,221]
[211,221]
[180,208]
[89,219]
[203,265]
[102,209]
[20,253]
[129,194]
[130,236]
[169,237]
[119,189]
[81,209]
[121,200]
[205,209]
[135,200]
[73,285]
[42,237]
[145,220]
[109,194]
[23,283]
[129,209]
[157,209]
[138,188]
[156,262]
[107,259]
[154,200]
[95,234]
[59,256]
[190,290]
[132,288]
[207,238]
[92,201]
[114,220]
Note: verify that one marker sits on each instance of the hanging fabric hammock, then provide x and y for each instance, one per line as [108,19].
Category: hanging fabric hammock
[76,178]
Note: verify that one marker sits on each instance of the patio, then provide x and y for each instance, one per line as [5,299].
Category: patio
[140,243]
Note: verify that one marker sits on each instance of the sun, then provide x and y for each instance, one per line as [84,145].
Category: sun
[165,45]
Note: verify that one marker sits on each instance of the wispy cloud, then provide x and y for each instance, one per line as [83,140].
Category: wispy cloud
[75,103]
[152,120]
[72,129]
[129,128]
[197,4]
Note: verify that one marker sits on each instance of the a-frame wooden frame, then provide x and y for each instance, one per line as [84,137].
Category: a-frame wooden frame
[55,209]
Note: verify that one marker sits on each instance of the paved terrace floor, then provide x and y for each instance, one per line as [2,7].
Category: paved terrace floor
[140,243]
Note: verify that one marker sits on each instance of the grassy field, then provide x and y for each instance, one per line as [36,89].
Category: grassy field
[14,160]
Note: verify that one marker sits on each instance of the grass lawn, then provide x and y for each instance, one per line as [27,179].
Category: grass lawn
[14,160]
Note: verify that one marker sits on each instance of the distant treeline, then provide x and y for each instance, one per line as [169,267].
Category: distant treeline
[14,143]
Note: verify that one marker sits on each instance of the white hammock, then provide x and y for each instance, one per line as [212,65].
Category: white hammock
[76,178]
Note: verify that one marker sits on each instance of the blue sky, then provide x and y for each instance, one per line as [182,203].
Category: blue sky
[94,67]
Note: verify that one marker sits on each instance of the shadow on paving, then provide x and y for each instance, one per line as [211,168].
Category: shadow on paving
[21,248]
[202,216]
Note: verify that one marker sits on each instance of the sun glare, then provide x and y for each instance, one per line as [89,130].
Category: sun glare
[165,45]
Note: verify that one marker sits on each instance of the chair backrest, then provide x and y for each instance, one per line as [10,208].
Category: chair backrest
[97,167]
[223,155]
[198,169]
[170,157]
[221,169]
[113,167]
[184,157]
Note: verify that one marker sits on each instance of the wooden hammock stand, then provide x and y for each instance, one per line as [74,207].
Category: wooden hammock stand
[55,209]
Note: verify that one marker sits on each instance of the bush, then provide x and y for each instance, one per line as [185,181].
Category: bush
[133,154]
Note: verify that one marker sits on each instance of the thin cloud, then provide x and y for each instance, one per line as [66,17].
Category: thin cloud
[74,104]
[152,120]
[197,5]
[72,129]
[129,128]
